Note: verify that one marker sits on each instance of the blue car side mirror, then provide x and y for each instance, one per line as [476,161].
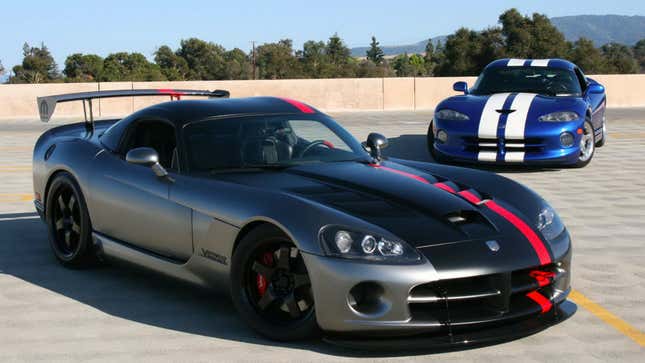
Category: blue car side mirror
[460,87]
[596,88]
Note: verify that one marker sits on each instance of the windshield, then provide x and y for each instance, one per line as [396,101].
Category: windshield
[267,142]
[540,80]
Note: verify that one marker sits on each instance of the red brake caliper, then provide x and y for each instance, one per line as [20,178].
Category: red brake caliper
[260,280]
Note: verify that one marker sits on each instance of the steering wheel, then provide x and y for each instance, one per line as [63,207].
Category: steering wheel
[313,144]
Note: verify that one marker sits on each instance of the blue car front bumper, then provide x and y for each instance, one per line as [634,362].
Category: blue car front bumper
[539,147]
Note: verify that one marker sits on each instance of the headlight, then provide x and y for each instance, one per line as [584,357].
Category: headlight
[549,223]
[559,116]
[346,243]
[448,114]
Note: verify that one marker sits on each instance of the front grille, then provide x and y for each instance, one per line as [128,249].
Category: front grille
[476,144]
[483,299]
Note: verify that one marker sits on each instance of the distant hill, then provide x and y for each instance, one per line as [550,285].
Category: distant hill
[601,29]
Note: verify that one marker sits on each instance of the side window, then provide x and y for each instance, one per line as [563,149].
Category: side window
[581,78]
[158,135]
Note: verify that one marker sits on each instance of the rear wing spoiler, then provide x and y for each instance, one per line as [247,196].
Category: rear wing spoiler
[47,104]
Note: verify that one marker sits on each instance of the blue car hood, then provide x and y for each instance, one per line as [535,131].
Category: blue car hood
[473,105]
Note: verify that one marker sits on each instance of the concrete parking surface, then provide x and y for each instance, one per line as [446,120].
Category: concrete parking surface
[50,313]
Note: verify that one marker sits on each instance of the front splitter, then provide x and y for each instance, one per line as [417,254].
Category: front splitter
[461,339]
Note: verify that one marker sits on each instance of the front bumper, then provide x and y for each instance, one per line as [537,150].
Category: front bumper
[540,146]
[371,302]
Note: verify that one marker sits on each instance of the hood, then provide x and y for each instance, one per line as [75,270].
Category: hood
[527,105]
[418,213]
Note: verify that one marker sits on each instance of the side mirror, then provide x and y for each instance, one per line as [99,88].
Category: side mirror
[460,87]
[376,142]
[596,88]
[146,156]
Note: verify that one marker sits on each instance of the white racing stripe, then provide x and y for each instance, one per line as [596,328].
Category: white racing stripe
[540,62]
[489,122]
[515,62]
[516,121]
[514,157]
[490,117]
[487,156]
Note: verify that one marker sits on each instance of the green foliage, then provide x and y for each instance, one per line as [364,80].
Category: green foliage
[83,68]
[173,66]
[277,60]
[38,66]
[587,57]
[1,69]
[125,66]
[238,65]
[375,53]
[620,58]
[466,52]
[639,54]
[313,57]
[205,59]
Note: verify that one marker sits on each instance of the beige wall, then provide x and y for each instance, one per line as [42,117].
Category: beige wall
[326,94]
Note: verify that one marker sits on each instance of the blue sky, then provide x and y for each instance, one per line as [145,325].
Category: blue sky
[108,26]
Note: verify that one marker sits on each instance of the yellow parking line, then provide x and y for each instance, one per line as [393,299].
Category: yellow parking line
[15,197]
[617,323]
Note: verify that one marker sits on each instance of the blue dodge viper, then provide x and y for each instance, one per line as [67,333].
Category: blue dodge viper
[522,111]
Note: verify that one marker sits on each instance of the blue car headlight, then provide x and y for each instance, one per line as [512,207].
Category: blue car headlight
[343,242]
[448,114]
[549,223]
[561,116]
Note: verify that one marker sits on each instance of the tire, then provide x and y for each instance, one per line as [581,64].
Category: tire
[436,156]
[68,223]
[587,146]
[603,140]
[272,296]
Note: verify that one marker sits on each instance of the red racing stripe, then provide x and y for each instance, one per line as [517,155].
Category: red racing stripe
[409,175]
[517,222]
[534,240]
[544,303]
[299,105]
[469,197]
[445,187]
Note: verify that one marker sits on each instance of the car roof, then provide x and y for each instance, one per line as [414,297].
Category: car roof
[518,62]
[185,111]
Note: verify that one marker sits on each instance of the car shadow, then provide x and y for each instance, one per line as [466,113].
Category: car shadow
[415,147]
[140,296]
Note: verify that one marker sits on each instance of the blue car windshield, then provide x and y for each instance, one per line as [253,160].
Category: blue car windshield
[267,142]
[541,80]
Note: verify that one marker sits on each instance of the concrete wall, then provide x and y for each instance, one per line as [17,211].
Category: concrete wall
[364,94]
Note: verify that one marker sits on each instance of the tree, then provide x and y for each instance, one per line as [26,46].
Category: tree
[619,58]
[547,41]
[375,53]
[460,54]
[83,68]
[429,58]
[173,66]
[1,69]
[587,57]
[238,65]
[125,66]
[38,66]
[277,60]
[516,30]
[205,59]
[314,60]
[339,57]
[639,54]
